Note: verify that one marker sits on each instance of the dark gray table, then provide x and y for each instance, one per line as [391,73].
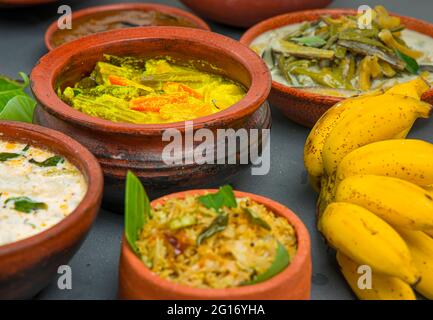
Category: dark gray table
[95,266]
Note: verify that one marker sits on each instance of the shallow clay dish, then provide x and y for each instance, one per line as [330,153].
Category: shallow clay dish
[121,146]
[28,265]
[299,105]
[87,13]
[136,281]
[245,13]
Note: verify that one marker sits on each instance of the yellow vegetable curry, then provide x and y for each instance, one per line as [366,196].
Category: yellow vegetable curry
[133,90]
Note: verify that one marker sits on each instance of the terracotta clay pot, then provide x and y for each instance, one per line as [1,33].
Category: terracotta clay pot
[245,13]
[136,281]
[87,13]
[28,265]
[299,105]
[121,146]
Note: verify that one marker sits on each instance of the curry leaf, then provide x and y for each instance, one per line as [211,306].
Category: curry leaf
[4,156]
[281,261]
[19,108]
[217,225]
[50,162]
[137,209]
[411,64]
[26,205]
[223,198]
[211,201]
[254,218]
[313,41]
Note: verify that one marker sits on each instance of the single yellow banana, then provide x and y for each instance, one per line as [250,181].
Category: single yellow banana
[409,159]
[414,88]
[372,119]
[383,287]
[421,249]
[315,140]
[398,202]
[367,240]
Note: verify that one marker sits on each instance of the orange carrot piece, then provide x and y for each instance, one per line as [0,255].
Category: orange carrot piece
[179,87]
[143,108]
[117,81]
[158,100]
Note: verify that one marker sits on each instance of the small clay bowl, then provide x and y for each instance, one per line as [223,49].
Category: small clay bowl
[245,13]
[137,282]
[299,105]
[120,147]
[29,265]
[88,13]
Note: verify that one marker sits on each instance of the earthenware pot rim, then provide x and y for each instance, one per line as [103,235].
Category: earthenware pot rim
[90,168]
[295,17]
[48,67]
[200,23]
[295,267]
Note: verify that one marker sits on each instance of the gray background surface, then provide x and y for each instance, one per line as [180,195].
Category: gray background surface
[95,266]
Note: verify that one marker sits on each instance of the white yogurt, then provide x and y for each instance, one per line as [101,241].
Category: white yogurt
[59,189]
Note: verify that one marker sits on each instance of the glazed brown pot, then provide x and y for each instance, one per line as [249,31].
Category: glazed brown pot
[28,265]
[245,13]
[136,281]
[299,105]
[89,12]
[121,146]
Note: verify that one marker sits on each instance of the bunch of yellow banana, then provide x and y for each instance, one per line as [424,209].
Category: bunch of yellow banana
[359,121]
[376,191]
